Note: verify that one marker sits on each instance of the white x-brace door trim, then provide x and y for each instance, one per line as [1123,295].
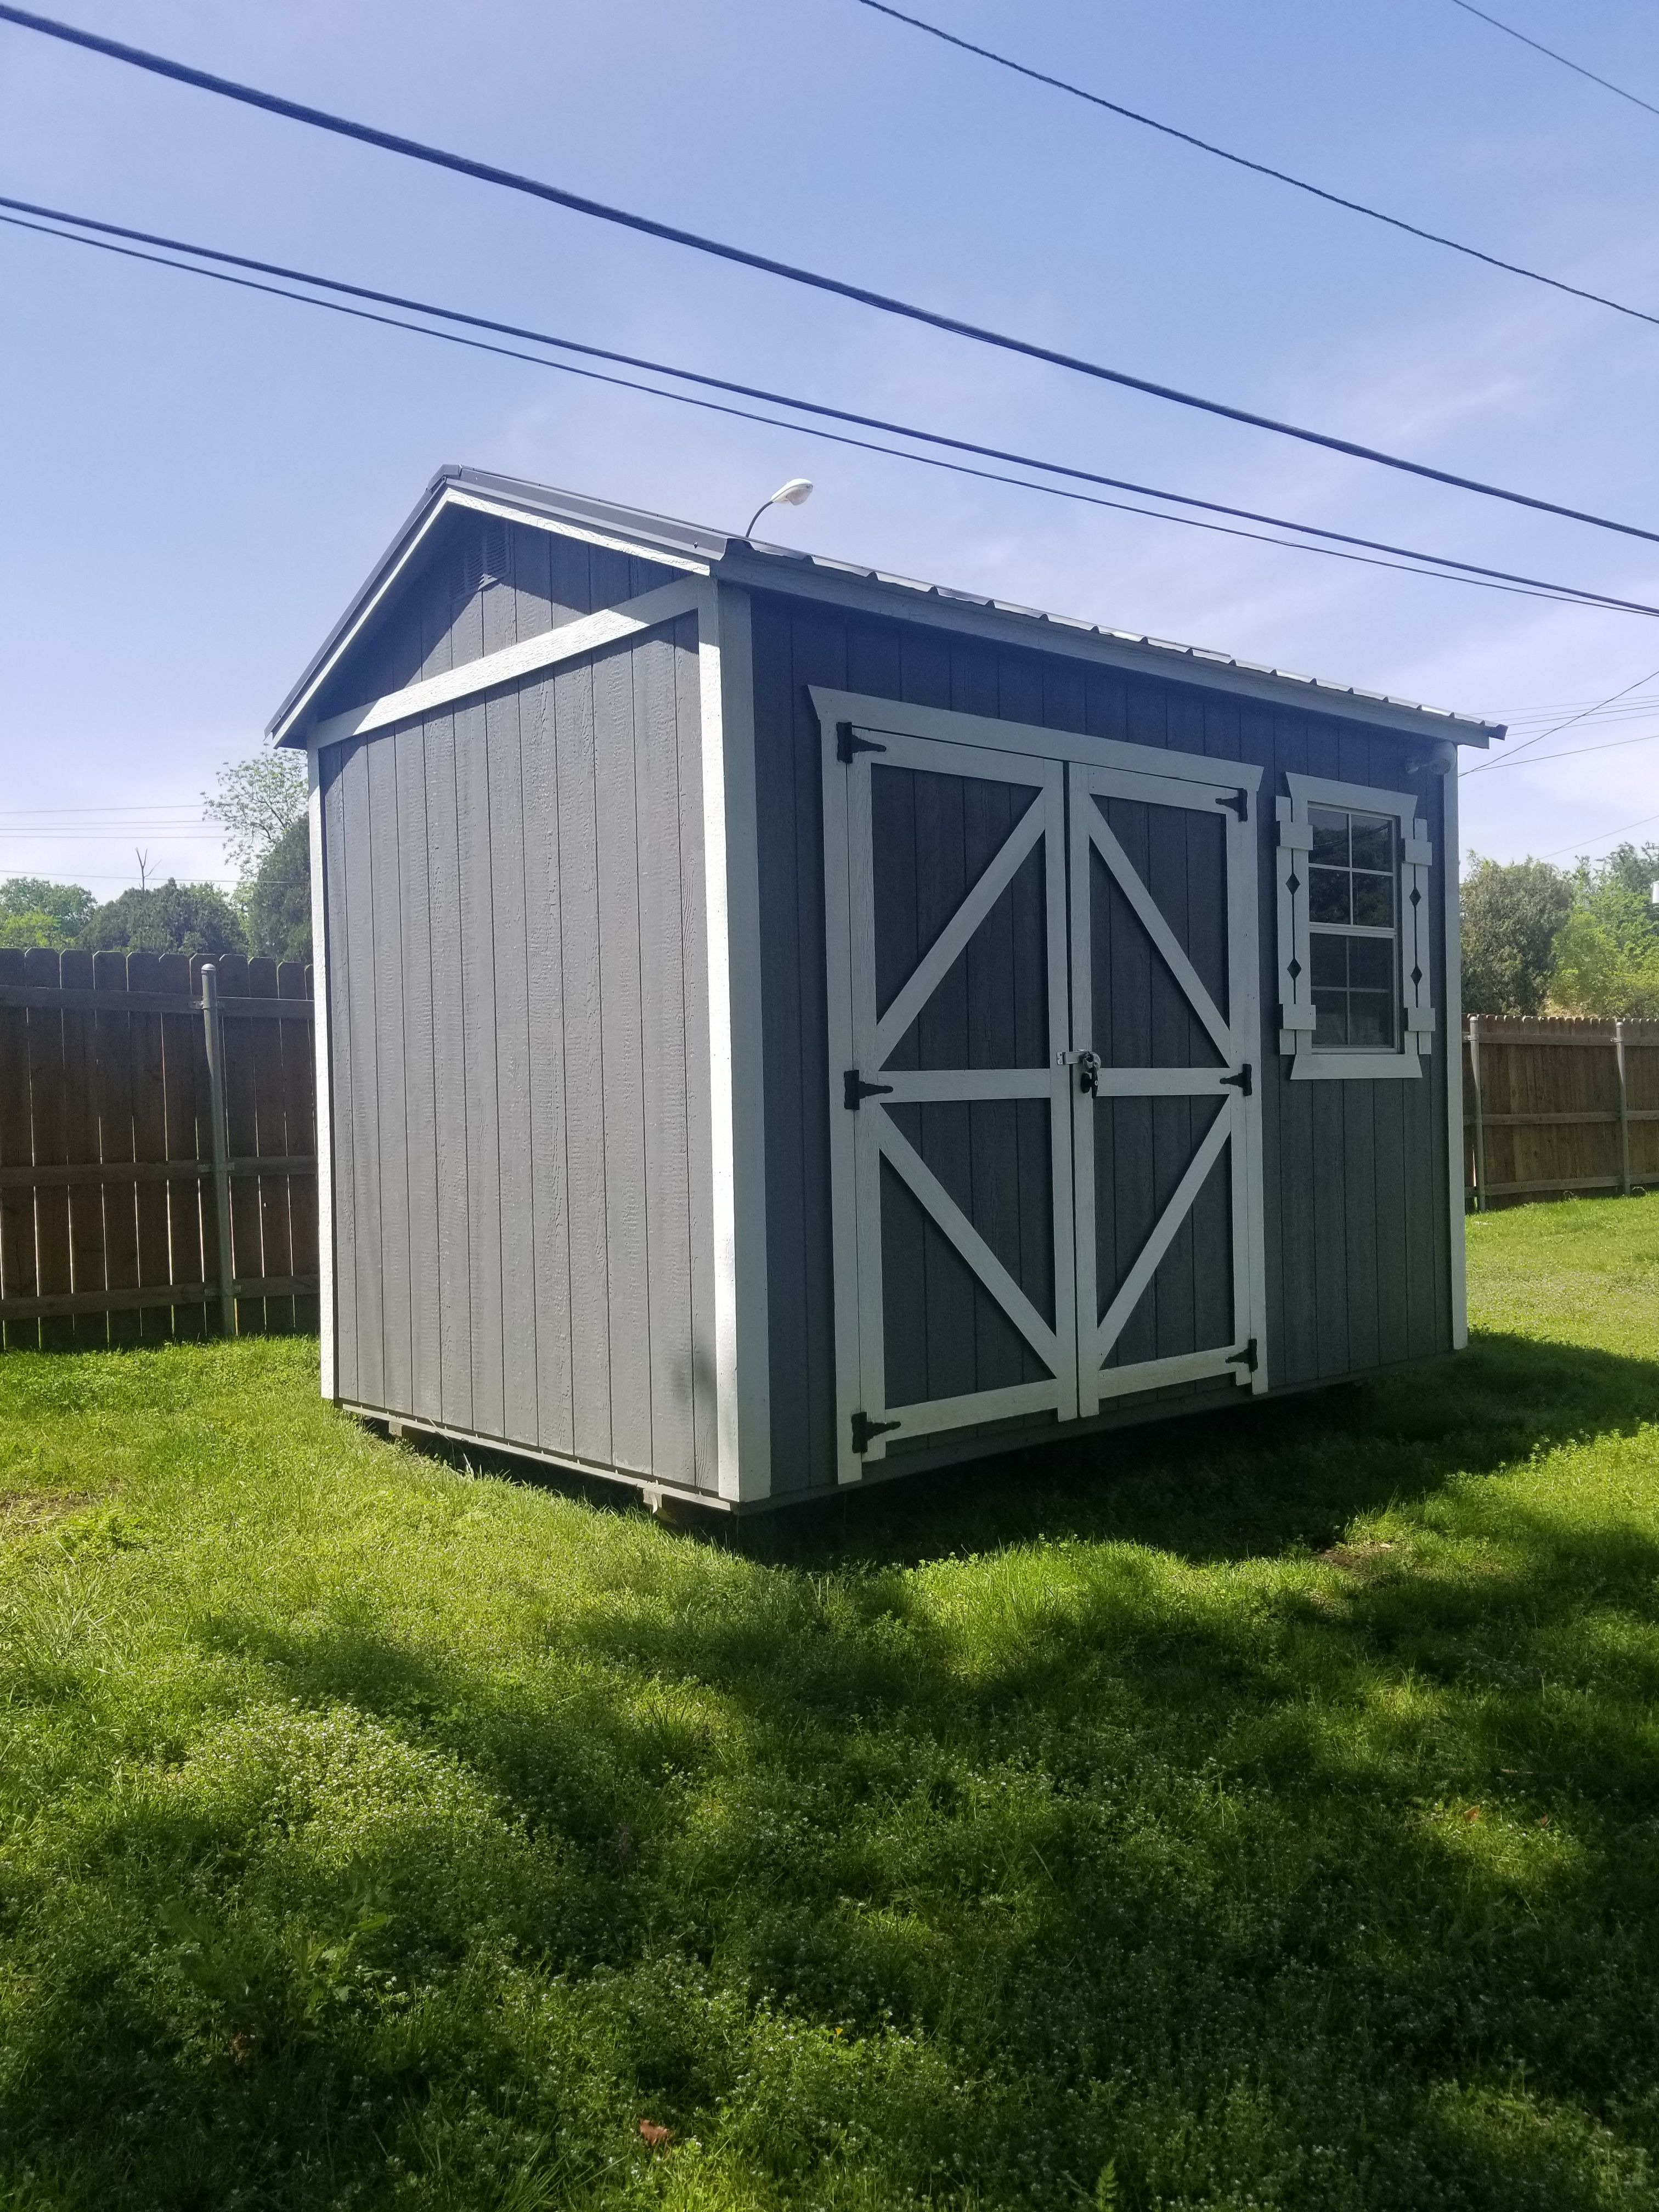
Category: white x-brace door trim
[1236,1128]
[861,1041]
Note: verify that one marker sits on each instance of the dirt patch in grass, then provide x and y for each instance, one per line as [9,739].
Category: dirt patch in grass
[23,1510]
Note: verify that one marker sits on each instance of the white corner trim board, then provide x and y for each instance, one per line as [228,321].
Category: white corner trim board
[666,603]
[320,1047]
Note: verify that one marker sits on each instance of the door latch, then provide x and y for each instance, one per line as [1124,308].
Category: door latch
[855,1089]
[1241,1082]
[864,1428]
[1088,1073]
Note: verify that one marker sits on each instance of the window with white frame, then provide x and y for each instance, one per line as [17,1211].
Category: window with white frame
[1353,930]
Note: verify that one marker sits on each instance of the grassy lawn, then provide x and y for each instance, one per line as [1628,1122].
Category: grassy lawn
[1257,1812]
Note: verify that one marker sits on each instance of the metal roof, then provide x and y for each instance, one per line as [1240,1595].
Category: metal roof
[781,567]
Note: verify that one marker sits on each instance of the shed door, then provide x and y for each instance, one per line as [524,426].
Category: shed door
[950,1109]
[1166,1102]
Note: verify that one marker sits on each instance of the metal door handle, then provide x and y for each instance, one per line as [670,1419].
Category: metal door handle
[1088,1073]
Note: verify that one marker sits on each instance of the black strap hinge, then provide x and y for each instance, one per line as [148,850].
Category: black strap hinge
[1240,803]
[1241,1081]
[1247,1358]
[864,1428]
[856,1088]
[848,742]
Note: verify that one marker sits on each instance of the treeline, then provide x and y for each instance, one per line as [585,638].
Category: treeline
[260,806]
[1540,940]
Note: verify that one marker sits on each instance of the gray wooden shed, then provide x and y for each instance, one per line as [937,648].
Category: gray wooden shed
[784,1024]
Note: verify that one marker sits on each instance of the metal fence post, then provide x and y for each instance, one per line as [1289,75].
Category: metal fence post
[214,1025]
[1624,1109]
[1480,1119]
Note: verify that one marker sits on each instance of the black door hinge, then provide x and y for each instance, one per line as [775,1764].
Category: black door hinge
[1246,1358]
[864,1428]
[848,742]
[1240,803]
[1241,1082]
[857,1088]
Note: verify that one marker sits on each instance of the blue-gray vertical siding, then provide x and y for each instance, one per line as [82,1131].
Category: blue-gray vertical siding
[1355,1174]
[517,1006]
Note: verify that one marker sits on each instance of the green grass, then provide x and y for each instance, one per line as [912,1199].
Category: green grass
[1256,1812]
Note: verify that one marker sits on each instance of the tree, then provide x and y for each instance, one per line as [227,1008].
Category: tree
[35,912]
[278,903]
[1606,960]
[256,802]
[1512,914]
[173,918]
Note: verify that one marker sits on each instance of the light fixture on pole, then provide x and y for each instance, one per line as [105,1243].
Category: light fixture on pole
[795,493]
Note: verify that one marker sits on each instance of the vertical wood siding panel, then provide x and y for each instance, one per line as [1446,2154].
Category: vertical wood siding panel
[689,739]
[391,1133]
[577,833]
[480,1035]
[626,1241]
[343,1099]
[550,1193]
[514,1068]
[662,1019]
[420,1097]
[455,1319]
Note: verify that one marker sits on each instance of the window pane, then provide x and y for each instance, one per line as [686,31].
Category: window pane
[1371,963]
[1327,895]
[1373,842]
[1330,837]
[1327,957]
[1370,1018]
[1331,1008]
[1373,901]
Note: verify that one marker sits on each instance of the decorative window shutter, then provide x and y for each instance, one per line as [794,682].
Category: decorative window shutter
[1416,967]
[1296,1007]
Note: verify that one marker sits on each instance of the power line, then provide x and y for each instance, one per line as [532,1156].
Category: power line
[1538,738]
[1573,752]
[885,303]
[1578,844]
[1465,571]
[1259,169]
[1577,67]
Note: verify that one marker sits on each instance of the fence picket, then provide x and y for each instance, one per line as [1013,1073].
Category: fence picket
[17,1260]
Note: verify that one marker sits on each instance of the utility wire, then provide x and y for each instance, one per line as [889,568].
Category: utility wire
[1577,67]
[1261,168]
[1538,738]
[1469,569]
[885,303]
[1582,844]
[1569,752]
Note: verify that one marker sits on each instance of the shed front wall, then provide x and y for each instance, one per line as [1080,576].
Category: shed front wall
[519,1065]
[1356,1224]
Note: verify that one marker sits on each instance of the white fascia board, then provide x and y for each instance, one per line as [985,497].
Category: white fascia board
[569,641]
[286,730]
[1045,634]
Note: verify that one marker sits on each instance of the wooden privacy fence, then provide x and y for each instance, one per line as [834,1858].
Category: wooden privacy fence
[157,1155]
[1554,1107]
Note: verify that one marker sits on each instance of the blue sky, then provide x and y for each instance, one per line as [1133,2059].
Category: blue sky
[197,479]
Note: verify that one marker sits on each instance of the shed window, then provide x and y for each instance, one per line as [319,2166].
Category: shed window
[1353,945]
[1354,867]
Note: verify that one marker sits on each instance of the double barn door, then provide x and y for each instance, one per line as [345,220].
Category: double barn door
[1043,1032]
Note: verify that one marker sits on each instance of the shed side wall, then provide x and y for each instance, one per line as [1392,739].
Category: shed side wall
[518,1011]
[1357,1227]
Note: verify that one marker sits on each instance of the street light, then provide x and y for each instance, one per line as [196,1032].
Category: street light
[795,493]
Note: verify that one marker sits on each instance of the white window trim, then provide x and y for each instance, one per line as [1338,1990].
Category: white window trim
[1295,1009]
